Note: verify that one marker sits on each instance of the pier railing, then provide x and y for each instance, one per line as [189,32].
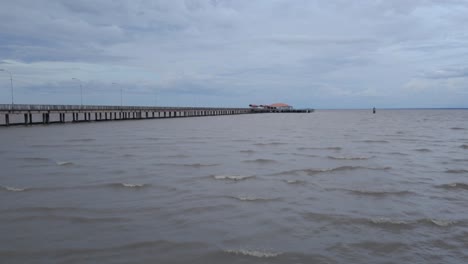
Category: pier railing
[35,107]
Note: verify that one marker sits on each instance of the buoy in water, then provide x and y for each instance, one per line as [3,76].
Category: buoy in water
[373,110]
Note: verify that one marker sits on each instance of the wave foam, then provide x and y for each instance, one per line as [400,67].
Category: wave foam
[253,253]
[13,189]
[438,222]
[311,172]
[455,185]
[384,220]
[64,163]
[247,198]
[232,177]
[127,185]
[132,185]
[294,181]
[431,221]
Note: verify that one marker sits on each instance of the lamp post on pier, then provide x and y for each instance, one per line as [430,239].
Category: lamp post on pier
[121,100]
[11,84]
[81,91]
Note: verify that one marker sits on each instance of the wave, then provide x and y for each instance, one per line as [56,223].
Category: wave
[241,140]
[253,253]
[305,155]
[232,177]
[49,145]
[128,185]
[261,161]
[82,254]
[78,187]
[439,222]
[81,140]
[458,128]
[381,222]
[33,159]
[247,198]
[374,141]
[270,144]
[193,165]
[199,165]
[76,219]
[247,151]
[464,160]
[152,138]
[384,220]
[311,172]
[179,156]
[454,186]
[377,193]
[398,154]
[348,158]
[380,248]
[12,189]
[423,150]
[456,171]
[64,163]
[294,182]
[464,146]
[44,209]
[319,148]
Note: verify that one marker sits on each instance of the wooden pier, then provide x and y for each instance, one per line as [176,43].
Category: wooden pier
[21,114]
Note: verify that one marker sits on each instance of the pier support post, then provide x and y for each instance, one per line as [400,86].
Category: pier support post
[45,118]
[7,119]
[25,119]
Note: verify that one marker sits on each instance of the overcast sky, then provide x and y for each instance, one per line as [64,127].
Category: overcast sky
[307,53]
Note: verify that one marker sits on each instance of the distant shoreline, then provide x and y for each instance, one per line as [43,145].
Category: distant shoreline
[370,108]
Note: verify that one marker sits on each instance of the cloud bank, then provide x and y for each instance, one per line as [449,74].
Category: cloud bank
[309,53]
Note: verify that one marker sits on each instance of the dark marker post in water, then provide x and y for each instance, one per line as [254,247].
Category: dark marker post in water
[373,110]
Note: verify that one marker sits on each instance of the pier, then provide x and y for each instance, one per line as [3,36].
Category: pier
[25,114]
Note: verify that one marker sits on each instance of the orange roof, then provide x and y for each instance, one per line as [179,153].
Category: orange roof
[279,105]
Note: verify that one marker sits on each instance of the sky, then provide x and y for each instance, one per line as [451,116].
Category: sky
[231,53]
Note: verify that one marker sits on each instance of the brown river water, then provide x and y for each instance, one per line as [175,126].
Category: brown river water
[325,187]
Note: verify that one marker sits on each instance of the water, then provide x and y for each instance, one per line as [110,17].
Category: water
[326,187]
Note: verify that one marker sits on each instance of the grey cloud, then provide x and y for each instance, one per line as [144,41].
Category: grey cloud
[313,40]
[447,73]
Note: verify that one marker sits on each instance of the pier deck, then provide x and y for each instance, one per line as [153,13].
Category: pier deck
[22,114]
